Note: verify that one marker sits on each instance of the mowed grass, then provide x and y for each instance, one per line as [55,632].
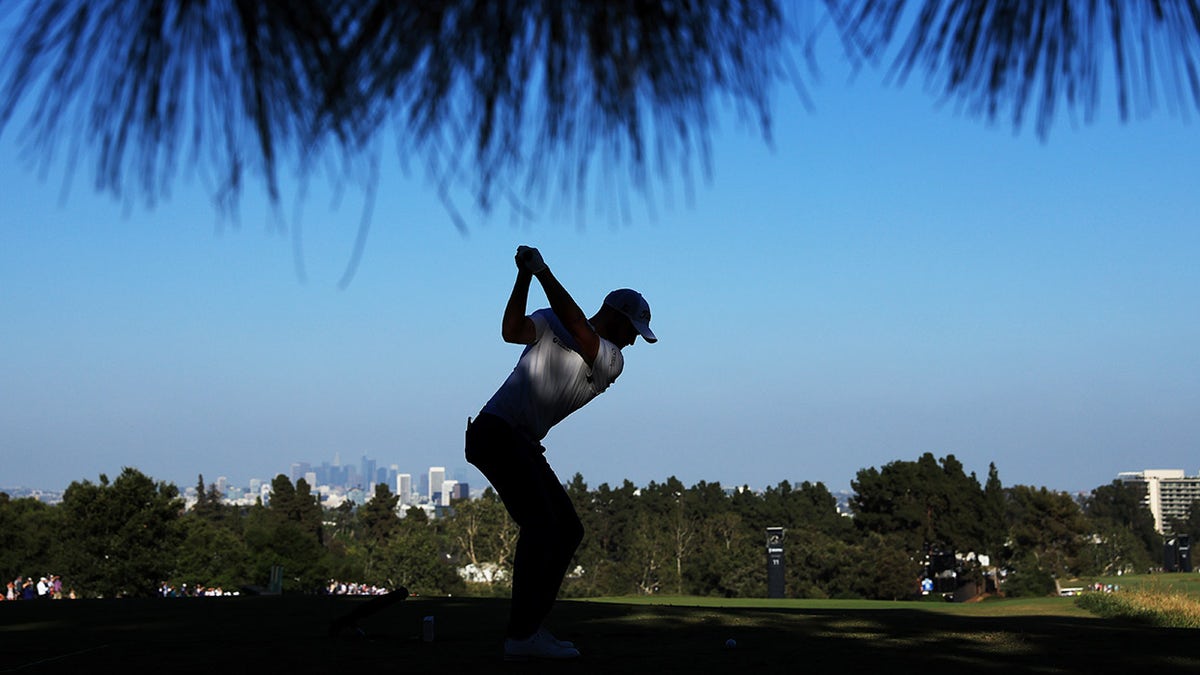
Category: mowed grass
[990,607]
[1179,583]
[289,634]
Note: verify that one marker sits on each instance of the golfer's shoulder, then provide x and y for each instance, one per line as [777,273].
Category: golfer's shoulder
[609,360]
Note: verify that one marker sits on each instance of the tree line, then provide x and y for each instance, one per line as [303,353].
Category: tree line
[127,536]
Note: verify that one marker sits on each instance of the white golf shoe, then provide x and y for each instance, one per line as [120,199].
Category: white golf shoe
[540,645]
[550,636]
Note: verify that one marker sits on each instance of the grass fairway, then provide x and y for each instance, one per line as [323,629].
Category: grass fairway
[1182,584]
[621,635]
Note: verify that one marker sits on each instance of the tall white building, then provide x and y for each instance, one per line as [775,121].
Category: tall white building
[437,476]
[1169,493]
[404,488]
[447,491]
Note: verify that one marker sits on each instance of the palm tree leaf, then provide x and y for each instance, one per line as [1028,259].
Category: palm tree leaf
[1008,55]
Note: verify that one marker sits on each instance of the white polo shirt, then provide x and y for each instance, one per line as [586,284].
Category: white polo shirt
[551,380]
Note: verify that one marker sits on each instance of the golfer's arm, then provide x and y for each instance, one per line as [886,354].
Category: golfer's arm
[570,315]
[516,327]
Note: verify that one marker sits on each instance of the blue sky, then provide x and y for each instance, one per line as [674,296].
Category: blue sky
[888,278]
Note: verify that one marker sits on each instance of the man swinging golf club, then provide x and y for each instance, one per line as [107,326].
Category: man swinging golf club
[568,360]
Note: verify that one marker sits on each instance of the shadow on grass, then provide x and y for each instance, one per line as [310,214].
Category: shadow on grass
[290,634]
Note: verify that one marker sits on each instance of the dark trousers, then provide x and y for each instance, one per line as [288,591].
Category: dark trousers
[536,500]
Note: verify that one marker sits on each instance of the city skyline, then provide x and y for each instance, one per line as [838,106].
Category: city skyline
[463,474]
[886,275]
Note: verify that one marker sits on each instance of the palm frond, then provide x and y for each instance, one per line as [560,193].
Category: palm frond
[493,88]
[521,97]
[997,56]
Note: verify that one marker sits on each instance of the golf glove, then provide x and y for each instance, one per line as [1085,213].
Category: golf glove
[530,259]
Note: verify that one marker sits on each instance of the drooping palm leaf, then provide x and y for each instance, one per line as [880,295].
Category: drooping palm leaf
[139,83]
[469,81]
[531,95]
[574,78]
[1008,55]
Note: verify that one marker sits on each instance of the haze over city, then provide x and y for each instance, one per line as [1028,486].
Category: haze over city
[886,277]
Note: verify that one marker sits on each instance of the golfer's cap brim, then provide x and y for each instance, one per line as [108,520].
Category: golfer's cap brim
[643,329]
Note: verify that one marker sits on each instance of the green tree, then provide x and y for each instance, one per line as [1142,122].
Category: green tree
[201,493]
[119,539]
[814,561]
[672,524]
[876,567]
[343,521]
[810,505]
[1126,539]
[484,535]
[347,555]
[610,518]
[378,523]
[28,530]
[297,504]
[1047,531]
[210,554]
[288,532]
[731,558]
[995,528]
[648,553]
[929,504]
[418,558]
[377,518]
[210,502]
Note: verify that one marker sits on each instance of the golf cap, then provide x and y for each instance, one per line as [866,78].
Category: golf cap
[631,303]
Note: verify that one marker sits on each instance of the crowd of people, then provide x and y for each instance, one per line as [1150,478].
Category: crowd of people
[168,590]
[336,587]
[48,587]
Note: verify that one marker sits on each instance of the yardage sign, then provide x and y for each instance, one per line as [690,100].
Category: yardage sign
[775,566]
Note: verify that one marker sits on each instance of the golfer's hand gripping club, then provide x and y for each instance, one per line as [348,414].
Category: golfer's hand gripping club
[530,260]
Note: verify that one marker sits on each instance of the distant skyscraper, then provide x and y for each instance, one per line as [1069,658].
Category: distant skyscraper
[437,476]
[299,469]
[367,469]
[447,492]
[339,475]
[404,488]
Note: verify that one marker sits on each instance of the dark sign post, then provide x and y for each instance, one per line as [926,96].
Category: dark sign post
[1177,554]
[775,576]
